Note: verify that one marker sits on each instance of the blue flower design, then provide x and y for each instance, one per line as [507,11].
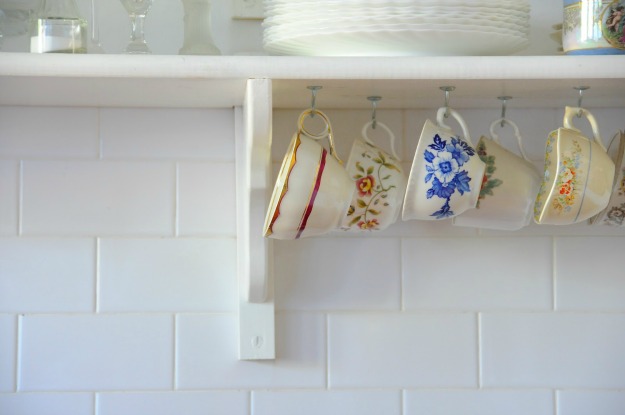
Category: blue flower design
[443,170]
[460,150]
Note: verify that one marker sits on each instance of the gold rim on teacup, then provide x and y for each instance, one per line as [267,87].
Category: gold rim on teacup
[312,191]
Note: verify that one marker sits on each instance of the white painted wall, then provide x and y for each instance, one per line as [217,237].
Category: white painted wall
[118,288]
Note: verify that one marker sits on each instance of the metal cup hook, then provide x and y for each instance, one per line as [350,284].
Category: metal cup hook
[374,103]
[447,90]
[581,90]
[313,103]
[504,101]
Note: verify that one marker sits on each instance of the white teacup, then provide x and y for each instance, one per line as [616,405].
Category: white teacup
[614,213]
[446,172]
[313,190]
[379,184]
[578,174]
[509,188]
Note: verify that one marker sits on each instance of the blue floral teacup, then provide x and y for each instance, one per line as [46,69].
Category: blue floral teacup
[446,173]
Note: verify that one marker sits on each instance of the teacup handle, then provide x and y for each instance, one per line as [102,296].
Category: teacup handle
[440,115]
[385,128]
[570,112]
[517,133]
[327,132]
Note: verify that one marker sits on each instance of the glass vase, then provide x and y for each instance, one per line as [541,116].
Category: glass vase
[197,29]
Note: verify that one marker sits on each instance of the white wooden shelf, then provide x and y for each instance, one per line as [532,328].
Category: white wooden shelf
[255,85]
[404,82]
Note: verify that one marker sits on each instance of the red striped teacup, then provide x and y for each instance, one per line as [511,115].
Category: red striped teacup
[313,190]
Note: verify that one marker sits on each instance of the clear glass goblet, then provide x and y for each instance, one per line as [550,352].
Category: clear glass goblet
[137,10]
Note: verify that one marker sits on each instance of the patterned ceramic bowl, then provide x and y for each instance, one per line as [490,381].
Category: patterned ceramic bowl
[614,213]
[380,184]
[578,175]
[446,172]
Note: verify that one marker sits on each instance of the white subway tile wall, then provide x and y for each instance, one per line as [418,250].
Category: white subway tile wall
[480,402]
[40,275]
[75,403]
[403,350]
[118,286]
[365,402]
[83,352]
[169,403]
[147,275]
[9,202]
[576,402]
[8,352]
[206,199]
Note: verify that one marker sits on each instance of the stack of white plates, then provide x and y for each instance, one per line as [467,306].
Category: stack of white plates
[395,27]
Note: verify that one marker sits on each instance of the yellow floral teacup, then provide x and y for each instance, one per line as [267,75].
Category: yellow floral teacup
[578,174]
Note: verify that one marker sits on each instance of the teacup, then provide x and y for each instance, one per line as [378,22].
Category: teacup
[578,174]
[614,213]
[509,187]
[379,184]
[313,190]
[446,172]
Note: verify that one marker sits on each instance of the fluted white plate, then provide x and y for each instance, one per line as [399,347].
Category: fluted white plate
[400,42]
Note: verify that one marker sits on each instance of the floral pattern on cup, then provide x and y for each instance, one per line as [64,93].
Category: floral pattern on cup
[370,182]
[567,183]
[488,182]
[540,197]
[616,215]
[444,171]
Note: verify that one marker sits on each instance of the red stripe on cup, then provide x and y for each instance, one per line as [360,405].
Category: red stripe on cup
[322,164]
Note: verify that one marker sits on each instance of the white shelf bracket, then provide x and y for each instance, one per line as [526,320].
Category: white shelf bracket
[254,256]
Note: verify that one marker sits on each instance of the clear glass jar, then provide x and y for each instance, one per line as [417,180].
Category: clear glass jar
[58,28]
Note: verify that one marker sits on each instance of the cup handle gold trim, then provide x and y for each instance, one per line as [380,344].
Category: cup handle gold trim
[326,133]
